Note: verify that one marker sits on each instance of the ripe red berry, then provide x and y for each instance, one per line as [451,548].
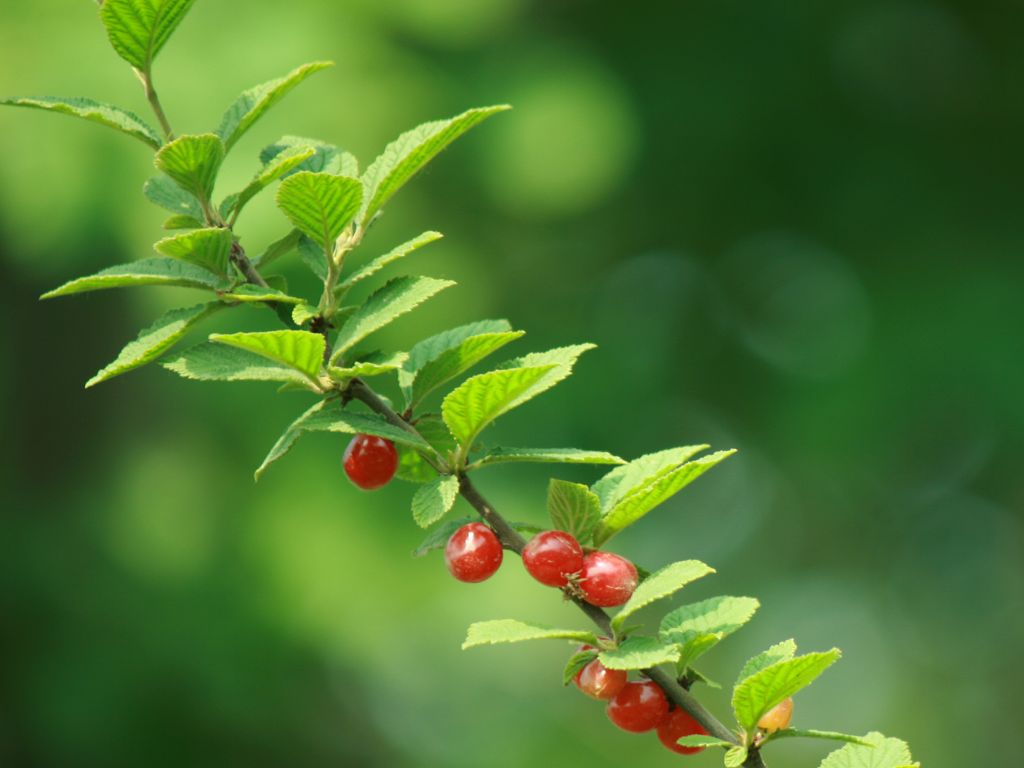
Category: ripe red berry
[473,553]
[599,682]
[679,723]
[551,556]
[370,461]
[606,579]
[638,707]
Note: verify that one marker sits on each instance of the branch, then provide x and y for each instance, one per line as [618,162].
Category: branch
[154,102]
[240,260]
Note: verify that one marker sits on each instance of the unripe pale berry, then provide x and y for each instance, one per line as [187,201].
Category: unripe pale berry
[607,580]
[638,707]
[777,718]
[597,681]
[473,553]
[552,556]
[370,461]
[677,724]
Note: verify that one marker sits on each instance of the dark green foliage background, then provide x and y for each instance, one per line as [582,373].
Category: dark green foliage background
[796,229]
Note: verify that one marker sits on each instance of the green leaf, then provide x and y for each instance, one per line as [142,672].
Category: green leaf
[95,111]
[660,584]
[735,757]
[217,362]
[456,361]
[249,293]
[394,299]
[337,420]
[434,500]
[393,255]
[883,753]
[209,248]
[320,205]
[180,221]
[370,365]
[562,358]
[301,350]
[573,508]
[411,465]
[154,341]
[779,652]
[622,481]
[279,167]
[254,103]
[436,345]
[545,456]
[438,538]
[156,271]
[700,740]
[766,688]
[162,191]
[277,249]
[639,653]
[193,162]
[404,157]
[287,439]
[699,626]
[803,733]
[643,499]
[575,664]
[481,399]
[512,631]
[138,29]
[326,157]
[313,256]
[699,677]
[696,647]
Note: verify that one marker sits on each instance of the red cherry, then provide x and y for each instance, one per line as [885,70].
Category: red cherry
[599,682]
[679,723]
[370,461]
[473,553]
[606,579]
[551,556]
[638,707]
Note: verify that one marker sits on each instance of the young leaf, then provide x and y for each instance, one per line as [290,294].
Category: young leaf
[193,162]
[622,481]
[209,248]
[438,538]
[320,205]
[393,255]
[660,584]
[161,191]
[369,365]
[882,752]
[645,498]
[153,341]
[326,157]
[301,350]
[802,733]
[217,362]
[545,456]
[718,616]
[481,399]
[561,358]
[763,690]
[394,299]
[783,651]
[693,649]
[403,157]
[512,631]
[434,500]
[249,293]
[277,249]
[276,169]
[180,221]
[287,439]
[573,508]
[735,757]
[434,346]
[699,740]
[254,103]
[575,664]
[157,271]
[138,29]
[95,111]
[639,652]
[456,361]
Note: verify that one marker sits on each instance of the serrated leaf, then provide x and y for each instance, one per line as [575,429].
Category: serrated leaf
[193,163]
[138,29]
[883,753]
[661,584]
[454,362]
[180,221]
[621,481]
[154,341]
[320,205]
[779,652]
[326,157]
[481,399]
[391,256]
[639,653]
[156,271]
[804,733]
[287,439]
[573,508]
[696,647]
[209,248]
[431,347]
[735,757]
[161,191]
[699,626]
[217,362]
[766,688]
[249,293]
[643,499]
[337,420]
[438,538]
[254,103]
[699,740]
[434,500]
[404,157]
[545,456]
[561,358]
[300,350]
[576,663]
[394,299]
[277,249]
[279,167]
[94,111]
[411,465]
[368,366]
[512,631]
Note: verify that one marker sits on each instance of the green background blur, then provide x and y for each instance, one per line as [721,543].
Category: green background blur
[792,228]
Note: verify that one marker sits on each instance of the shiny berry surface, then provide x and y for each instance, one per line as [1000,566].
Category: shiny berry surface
[607,580]
[677,724]
[370,461]
[777,718]
[473,553]
[638,707]
[552,556]
[599,682]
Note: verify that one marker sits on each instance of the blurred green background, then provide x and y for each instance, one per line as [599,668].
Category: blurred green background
[792,228]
